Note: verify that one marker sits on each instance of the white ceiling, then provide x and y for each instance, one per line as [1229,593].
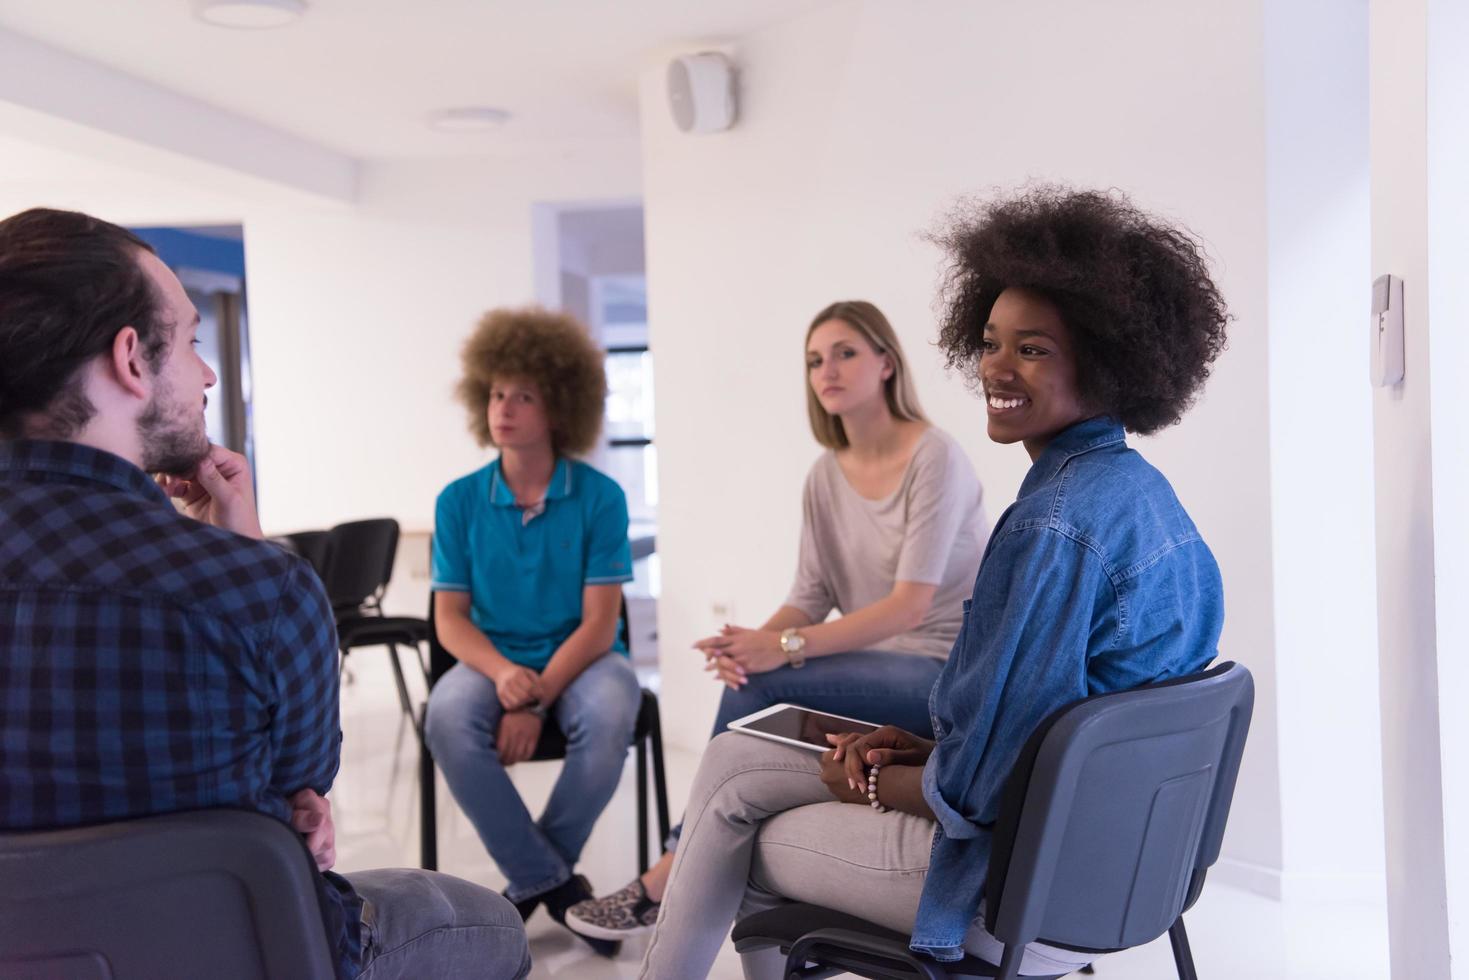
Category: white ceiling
[37,174]
[360,76]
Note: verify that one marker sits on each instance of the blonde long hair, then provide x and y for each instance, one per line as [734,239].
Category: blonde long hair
[902,400]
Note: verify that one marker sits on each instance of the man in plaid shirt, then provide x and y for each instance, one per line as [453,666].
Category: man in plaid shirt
[153,661]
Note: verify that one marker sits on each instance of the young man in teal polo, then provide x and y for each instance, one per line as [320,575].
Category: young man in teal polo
[530,553]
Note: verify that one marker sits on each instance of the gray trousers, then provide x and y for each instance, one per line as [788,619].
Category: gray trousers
[419,924]
[760,830]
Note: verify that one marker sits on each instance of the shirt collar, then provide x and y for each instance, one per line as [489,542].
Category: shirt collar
[1083,437]
[560,486]
[39,457]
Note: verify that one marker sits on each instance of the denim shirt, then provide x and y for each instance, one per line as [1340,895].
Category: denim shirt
[1095,580]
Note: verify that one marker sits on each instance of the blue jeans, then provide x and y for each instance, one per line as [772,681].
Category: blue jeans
[597,712]
[425,924]
[883,688]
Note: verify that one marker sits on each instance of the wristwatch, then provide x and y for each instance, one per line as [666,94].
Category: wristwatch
[793,645]
[537,709]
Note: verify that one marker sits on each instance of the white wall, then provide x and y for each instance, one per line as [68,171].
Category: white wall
[1321,423]
[357,319]
[859,125]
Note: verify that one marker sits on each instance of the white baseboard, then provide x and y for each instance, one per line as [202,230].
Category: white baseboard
[1299,887]
[1246,875]
[1335,889]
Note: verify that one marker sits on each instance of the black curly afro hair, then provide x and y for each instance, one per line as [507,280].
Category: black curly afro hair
[1146,320]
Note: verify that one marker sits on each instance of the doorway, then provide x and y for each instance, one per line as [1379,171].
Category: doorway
[589,261]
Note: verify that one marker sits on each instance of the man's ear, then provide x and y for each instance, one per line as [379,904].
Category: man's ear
[126,366]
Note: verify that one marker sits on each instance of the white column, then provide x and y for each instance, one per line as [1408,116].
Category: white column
[1448,315]
[1406,602]
[1321,461]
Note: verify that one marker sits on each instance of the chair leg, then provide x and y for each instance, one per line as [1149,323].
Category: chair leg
[398,679]
[1010,962]
[1183,957]
[660,782]
[642,773]
[428,822]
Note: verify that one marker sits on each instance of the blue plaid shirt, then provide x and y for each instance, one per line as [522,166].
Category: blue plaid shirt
[150,663]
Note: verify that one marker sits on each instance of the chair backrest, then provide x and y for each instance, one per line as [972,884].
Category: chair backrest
[208,893]
[439,658]
[361,562]
[315,547]
[1115,810]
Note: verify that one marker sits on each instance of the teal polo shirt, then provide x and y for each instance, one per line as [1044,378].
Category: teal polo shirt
[525,574]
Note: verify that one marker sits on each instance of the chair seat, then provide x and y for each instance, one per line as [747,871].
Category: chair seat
[858,946]
[367,631]
[788,923]
[552,744]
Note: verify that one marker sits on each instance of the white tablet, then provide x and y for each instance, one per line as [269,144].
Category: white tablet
[801,727]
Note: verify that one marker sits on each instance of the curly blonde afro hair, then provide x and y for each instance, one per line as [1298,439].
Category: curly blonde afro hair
[550,350]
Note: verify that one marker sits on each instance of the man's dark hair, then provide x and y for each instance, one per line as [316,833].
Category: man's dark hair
[1135,293]
[68,283]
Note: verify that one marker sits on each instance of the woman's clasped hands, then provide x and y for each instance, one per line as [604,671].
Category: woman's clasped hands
[737,652]
[844,766]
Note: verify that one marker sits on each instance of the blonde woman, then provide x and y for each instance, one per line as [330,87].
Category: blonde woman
[891,536]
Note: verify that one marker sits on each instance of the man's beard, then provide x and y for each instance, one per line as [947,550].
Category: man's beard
[173,442]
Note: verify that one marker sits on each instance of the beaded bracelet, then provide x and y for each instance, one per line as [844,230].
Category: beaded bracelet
[872,790]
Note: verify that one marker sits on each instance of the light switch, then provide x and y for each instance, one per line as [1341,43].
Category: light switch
[1387,331]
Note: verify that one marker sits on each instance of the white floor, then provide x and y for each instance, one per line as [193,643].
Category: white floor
[1235,934]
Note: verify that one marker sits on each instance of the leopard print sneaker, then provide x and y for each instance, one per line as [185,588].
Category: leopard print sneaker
[623,913]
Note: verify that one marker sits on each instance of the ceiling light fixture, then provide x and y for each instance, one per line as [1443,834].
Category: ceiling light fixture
[249,14]
[468,119]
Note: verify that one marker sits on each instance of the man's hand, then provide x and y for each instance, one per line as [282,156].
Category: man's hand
[517,738]
[311,815]
[517,686]
[219,492]
[834,774]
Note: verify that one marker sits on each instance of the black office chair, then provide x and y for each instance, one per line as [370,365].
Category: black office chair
[1108,823]
[227,894]
[360,556]
[552,745]
[314,546]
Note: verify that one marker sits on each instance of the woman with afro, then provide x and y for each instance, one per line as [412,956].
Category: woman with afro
[530,553]
[1077,317]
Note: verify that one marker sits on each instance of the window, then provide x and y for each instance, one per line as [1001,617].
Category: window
[620,314]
